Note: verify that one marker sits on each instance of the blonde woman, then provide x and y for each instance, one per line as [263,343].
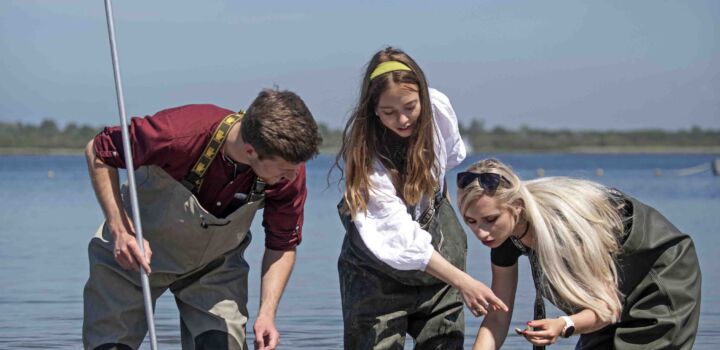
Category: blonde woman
[624,275]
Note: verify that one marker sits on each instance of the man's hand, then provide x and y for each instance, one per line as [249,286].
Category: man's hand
[127,252]
[267,336]
[106,184]
[276,268]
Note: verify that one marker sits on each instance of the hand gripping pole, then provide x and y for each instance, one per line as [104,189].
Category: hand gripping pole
[130,174]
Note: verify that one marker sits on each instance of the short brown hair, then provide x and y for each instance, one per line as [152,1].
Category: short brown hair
[278,123]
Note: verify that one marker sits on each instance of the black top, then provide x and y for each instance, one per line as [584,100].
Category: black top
[393,150]
[505,255]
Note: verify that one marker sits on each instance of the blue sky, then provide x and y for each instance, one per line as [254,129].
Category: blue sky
[547,64]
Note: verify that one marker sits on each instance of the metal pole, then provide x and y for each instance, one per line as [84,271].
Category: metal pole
[130,174]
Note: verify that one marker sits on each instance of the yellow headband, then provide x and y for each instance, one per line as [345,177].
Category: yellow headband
[388,66]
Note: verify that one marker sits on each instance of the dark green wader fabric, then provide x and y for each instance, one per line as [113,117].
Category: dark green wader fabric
[196,255]
[381,304]
[660,278]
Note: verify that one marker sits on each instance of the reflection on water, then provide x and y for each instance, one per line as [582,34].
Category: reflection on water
[46,222]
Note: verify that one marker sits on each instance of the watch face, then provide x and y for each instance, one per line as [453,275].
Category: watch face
[569,332]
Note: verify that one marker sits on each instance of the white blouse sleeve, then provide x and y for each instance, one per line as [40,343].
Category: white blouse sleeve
[449,148]
[388,231]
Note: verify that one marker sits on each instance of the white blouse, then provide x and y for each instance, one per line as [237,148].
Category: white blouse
[387,229]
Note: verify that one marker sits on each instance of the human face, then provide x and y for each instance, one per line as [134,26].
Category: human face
[274,169]
[399,108]
[491,223]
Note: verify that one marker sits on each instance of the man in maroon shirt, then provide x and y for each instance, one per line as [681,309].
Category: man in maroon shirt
[202,173]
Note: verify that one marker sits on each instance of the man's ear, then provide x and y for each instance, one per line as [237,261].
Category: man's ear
[249,150]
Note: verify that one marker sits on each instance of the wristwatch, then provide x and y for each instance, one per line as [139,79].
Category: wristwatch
[569,328]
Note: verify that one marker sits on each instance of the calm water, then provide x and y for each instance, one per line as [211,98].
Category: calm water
[45,224]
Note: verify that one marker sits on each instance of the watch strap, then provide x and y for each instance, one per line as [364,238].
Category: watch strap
[569,327]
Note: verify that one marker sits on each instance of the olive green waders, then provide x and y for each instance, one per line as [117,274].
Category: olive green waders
[381,304]
[196,255]
[660,279]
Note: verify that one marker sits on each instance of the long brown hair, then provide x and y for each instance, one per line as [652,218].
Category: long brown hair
[363,137]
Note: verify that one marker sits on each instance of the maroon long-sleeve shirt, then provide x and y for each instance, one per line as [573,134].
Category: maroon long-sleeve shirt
[173,139]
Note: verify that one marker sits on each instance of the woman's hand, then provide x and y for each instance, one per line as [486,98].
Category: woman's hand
[545,332]
[479,298]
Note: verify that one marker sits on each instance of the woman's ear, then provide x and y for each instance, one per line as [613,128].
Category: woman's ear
[518,206]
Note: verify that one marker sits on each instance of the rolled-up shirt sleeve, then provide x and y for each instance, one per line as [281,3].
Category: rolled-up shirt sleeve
[388,231]
[150,137]
[284,213]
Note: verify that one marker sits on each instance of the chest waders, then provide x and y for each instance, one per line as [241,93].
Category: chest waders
[196,255]
[381,304]
[660,282]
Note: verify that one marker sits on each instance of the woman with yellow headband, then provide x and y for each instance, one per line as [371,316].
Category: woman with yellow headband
[403,259]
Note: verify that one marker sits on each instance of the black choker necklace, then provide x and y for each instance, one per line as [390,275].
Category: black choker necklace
[517,239]
[527,227]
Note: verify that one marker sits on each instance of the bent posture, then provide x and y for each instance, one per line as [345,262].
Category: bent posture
[202,173]
[625,276]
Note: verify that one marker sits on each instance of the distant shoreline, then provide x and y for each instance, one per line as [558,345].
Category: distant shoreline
[35,151]
[48,139]
[614,150]
[40,151]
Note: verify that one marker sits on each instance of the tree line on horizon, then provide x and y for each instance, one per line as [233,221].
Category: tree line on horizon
[541,140]
[47,136]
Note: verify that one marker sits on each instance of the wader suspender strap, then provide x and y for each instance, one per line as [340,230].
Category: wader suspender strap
[194,178]
[539,305]
[427,215]
[537,276]
[258,190]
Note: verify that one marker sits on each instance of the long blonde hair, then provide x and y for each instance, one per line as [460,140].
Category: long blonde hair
[362,138]
[577,227]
